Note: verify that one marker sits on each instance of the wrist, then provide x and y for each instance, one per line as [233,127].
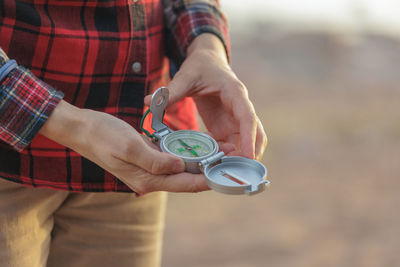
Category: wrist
[208,43]
[66,125]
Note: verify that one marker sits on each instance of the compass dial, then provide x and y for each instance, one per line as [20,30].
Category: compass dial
[190,144]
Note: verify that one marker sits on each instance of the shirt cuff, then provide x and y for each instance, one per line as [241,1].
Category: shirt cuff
[187,21]
[25,104]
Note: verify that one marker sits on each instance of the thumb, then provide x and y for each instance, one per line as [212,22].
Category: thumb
[179,87]
[154,161]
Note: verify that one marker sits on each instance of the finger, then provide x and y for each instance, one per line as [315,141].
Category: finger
[244,113]
[235,153]
[227,147]
[210,134]
[153,161]
[261,140]
[178,88]
[182,182]
[147,100]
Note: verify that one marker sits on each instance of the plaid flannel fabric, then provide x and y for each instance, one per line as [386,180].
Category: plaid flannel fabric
[25,105]
[104,55]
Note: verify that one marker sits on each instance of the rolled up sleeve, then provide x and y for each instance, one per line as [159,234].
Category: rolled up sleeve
[26,102]
[185,20]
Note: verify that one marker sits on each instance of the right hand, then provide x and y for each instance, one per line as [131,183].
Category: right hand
[118,148]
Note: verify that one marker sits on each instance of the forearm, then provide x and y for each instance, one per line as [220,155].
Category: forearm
[66,125]
[210,43]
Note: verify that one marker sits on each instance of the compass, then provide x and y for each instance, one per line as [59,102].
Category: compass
[189,144]
[200,152]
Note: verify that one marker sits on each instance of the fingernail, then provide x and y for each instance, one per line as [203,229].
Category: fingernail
[179,166]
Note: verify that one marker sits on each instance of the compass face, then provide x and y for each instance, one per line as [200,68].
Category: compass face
[190,144]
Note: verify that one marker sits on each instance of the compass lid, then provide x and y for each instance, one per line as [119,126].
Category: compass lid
[236,175]
[159,102]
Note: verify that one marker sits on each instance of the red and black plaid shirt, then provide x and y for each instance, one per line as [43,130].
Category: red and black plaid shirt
[104,55]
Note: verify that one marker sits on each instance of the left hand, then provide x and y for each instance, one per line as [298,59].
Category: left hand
[221,98]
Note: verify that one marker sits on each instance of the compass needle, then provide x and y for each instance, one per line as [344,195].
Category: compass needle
[188,148]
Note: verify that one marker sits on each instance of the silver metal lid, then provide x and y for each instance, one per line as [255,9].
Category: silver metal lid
[159,102]
[236,175]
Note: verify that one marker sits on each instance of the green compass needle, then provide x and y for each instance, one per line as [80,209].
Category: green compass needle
[187,147]
[194,153]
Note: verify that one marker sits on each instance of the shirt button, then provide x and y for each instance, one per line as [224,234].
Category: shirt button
[136,67]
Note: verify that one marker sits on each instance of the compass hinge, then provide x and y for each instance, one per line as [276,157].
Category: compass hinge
[163,132]
[212,160]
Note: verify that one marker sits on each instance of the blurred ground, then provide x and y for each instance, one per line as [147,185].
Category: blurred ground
[330,105]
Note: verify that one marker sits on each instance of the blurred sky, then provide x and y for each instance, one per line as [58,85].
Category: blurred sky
[339,15]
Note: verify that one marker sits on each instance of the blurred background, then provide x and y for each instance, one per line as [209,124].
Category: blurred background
[324,79]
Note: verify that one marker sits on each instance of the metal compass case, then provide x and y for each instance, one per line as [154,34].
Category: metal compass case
[225,174]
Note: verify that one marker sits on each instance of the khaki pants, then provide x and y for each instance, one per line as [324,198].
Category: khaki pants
[44,227]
